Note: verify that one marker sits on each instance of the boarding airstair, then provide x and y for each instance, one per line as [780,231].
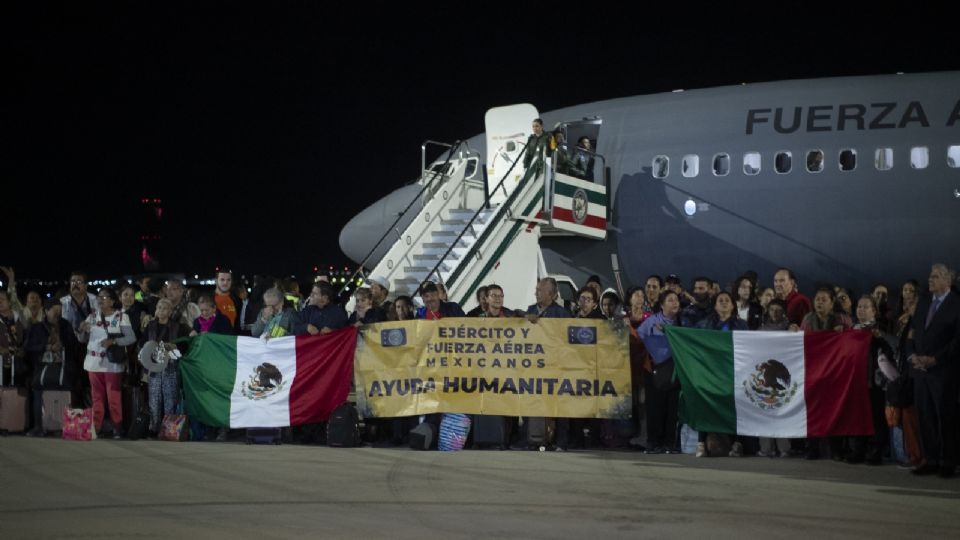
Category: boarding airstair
[480,222]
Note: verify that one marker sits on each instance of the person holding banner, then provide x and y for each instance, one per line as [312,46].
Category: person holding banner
[434,308]
[662,399]
[724,318]
[824,318]
[495,303]
[365,312]
[546,307]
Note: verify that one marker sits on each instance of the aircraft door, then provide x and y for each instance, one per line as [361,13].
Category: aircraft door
[507,129]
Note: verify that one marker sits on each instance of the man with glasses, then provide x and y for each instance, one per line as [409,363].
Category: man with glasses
[495,303]
[79,304]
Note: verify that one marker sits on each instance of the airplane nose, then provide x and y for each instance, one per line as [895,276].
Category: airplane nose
[362,232]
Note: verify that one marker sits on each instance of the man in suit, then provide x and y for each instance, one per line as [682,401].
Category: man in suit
[934,353]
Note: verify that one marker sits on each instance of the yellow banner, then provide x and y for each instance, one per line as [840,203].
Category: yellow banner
[566,368]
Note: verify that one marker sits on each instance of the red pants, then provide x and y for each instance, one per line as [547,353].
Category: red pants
[106,386]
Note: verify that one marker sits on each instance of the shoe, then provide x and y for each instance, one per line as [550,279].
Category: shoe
[701,449]
[672,451]
[925,470]
[947,471]
[559,449]
[655,450]
[221,435]
[35,432]
[736,450]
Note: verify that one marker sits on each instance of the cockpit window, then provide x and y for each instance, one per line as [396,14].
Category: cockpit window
[815,161]
[721,164]
[783,162]
[883,159]
[661,166]
[919,157]
[953,157]
[691,166]
[751,163]
[848,160]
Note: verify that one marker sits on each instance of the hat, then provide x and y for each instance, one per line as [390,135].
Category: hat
[379,280]
[672,278]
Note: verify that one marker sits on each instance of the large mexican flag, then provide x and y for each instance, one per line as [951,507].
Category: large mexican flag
[239,382]
[773,384]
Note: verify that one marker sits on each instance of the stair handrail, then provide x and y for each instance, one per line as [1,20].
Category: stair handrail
[433,176]
[531,170]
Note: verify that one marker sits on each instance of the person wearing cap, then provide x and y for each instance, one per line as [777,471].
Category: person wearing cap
[380,289]
[163,388]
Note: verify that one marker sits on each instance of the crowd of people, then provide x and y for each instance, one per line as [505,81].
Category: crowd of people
[913,363]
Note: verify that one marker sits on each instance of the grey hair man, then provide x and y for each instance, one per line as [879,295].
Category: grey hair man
[934,354]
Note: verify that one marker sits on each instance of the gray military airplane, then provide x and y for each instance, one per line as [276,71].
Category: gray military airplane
[853,181]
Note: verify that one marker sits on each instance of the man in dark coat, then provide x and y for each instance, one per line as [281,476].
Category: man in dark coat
[934,353]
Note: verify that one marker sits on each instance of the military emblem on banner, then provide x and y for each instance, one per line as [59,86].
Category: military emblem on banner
[769,387]
[581,335]
[265,381]
[393,337]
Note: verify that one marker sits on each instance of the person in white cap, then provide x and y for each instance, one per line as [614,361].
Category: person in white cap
[380,288]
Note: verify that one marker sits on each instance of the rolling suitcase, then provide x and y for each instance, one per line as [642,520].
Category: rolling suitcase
[539,431]
[13,404]
[343,428]
[490,430]
[264,435]
[54,401]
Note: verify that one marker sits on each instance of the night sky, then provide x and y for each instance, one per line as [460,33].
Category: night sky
[264,130]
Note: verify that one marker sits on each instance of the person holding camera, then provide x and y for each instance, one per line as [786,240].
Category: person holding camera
[107,332]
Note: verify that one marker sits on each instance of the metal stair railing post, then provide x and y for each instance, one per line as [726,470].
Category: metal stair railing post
[434,175]
[436,269]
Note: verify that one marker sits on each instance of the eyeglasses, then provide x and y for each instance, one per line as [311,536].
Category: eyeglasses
[586,298]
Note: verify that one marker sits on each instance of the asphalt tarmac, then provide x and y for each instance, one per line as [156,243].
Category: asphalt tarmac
[51,488]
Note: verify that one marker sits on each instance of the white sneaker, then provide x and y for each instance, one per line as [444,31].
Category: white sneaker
[701,449]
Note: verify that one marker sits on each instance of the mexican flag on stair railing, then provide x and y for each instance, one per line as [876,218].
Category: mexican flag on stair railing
[773,384]
[238,382]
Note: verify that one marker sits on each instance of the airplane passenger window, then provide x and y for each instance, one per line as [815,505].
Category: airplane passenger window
[751,163]
[919,157]
[815,161]
[883,159]
[848,160]
[721,164]
[953,157]
[691,166]
[783,162]
[661,166]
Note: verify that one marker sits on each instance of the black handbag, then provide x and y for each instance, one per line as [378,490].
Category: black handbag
[116,354]
[663,378]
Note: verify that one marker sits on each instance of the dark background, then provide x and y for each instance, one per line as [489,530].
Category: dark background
[264,130]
